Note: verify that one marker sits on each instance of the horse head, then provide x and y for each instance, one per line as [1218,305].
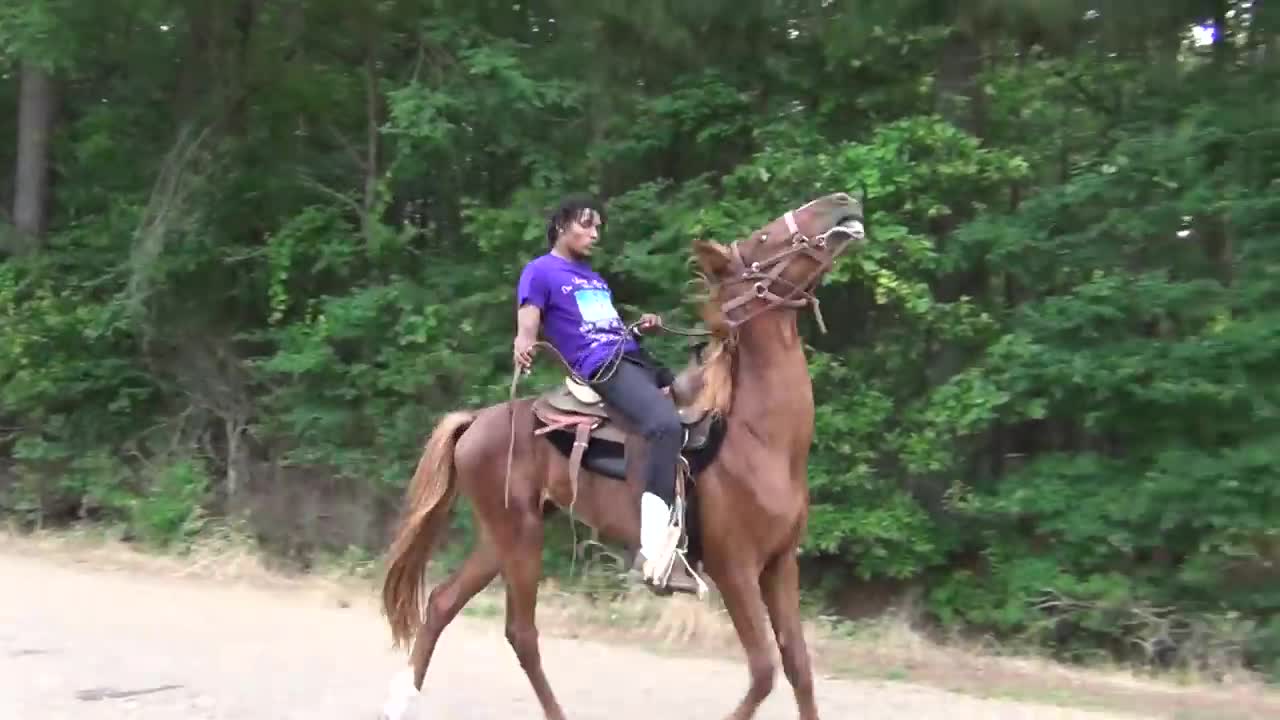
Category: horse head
[781,263]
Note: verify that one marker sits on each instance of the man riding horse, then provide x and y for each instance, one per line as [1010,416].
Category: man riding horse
[559,294]
[751,490]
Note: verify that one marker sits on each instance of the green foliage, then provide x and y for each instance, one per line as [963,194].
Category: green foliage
[171,509]
[36,31]
[1049,387]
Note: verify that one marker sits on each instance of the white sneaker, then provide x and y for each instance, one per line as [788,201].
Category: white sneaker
[658,536]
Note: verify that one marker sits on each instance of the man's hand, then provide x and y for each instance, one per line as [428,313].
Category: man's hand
[649,321]
[523,352]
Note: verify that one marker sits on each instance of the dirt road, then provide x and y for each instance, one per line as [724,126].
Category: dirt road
[76,642]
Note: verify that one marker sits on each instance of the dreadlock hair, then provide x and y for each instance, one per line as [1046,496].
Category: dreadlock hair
[570,209]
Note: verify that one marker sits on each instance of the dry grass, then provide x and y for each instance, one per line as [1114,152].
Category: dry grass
[889,649]
[222,553]
[893,649]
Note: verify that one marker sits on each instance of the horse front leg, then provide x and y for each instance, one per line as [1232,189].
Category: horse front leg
[781,585]
[740,589]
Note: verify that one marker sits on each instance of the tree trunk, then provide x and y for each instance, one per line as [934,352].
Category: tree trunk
[37,96]
[244,21]
[238,465]
[959,96]
[197,58]
[1216,234]
[373,115]
[959,100]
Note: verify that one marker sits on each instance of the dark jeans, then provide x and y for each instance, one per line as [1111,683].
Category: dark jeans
[633,390]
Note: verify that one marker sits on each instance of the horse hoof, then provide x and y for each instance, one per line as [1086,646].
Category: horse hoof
[400,696]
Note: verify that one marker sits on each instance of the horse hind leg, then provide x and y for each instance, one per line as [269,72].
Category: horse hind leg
[780,582]
[522,568]
[448,599]
[444,603]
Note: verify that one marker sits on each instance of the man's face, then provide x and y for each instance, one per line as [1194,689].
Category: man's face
[580,235]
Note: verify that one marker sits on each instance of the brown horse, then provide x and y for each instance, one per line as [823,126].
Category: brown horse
[751,495]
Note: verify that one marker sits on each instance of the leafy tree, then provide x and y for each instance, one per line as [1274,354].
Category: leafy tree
[250,237]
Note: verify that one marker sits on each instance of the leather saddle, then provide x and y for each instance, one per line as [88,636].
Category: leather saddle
[578,421]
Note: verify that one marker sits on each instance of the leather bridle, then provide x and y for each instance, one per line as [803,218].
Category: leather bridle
[764,273]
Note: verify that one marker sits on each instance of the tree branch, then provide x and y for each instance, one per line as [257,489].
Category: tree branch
[320,187]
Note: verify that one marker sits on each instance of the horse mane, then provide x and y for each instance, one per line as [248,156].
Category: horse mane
[717,361]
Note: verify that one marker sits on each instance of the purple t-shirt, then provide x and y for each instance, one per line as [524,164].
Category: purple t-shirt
[578,317]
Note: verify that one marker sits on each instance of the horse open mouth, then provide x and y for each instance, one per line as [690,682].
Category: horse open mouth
[849,229]
[852,226]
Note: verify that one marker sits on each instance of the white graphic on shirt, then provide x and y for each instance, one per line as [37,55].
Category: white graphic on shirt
[600,321]
[596,308]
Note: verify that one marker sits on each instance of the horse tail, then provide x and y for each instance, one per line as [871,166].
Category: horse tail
[430,497]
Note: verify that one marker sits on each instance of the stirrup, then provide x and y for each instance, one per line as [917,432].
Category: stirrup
[656,571]
[657,577]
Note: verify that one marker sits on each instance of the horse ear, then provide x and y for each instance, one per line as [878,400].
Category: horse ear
[712,257]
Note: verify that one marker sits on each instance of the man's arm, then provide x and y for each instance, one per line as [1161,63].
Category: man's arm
[528,320]
[532,295]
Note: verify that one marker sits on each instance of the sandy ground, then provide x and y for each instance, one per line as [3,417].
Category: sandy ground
[80,642]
